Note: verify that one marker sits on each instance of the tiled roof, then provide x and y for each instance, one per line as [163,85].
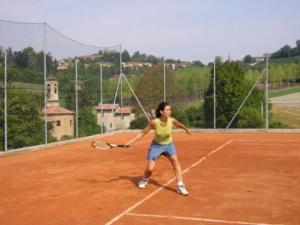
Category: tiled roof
[124,110]
[57,110]
[107,107]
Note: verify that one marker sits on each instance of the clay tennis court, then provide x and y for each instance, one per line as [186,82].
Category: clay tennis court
[233,178]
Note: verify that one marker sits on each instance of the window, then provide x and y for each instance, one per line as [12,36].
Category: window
[55,88]
[110,125]
[58,123]
[48,90]
[70,123]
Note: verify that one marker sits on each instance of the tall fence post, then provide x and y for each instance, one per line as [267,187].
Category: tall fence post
[5,100]
[267,94]
[45,85]
[215,122]
[76,95]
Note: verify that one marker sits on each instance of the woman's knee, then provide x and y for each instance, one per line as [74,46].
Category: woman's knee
[174,160]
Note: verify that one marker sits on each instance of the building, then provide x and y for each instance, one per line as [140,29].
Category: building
[259,59]
[63,64]
[61,119]
[128,116]
[110,115]
[135,65]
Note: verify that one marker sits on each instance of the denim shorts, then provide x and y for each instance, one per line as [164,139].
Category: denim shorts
[156,150]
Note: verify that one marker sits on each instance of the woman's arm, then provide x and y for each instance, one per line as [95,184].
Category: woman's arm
[180,125]
[141,134]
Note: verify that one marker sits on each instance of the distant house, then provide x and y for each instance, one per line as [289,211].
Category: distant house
[62,119]
[178,65]
[106,64]
[259,59]
[183,64]
[135,65]
[63,64]
[128,116]
[110,115]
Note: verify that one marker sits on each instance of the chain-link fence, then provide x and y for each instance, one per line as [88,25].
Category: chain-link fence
[50,85]
[54,88]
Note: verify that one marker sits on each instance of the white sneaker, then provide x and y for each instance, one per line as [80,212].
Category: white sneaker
[182,190]
[143,183]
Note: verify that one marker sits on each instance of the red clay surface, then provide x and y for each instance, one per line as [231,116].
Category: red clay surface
[253,179]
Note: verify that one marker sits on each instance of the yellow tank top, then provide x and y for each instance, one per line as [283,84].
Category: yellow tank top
[163,134]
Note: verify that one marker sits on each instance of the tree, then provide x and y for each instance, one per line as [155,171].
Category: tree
[153,59]
[284,52]
[149,87]
[195,116]
[250,118]
[198,63]
[21,59]
[125,56]
[87,122]
[248,59]
[25,121]
[139,123]
[231,89]
[218,59]
[136,56]
[298,44]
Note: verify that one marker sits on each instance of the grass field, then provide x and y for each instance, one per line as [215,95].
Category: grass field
[23,85]
[283,92]
[286,115]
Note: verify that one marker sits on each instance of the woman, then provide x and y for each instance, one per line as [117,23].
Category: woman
[162,144]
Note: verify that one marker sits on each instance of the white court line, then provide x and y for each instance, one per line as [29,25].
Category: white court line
[267,144]
[266,141]
[197,219]
[162,187]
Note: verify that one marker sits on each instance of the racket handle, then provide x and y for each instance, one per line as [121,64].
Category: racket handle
[124,146]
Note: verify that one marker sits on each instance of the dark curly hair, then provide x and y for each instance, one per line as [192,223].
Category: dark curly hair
[160,107]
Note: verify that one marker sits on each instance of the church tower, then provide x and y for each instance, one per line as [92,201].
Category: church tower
[52,91]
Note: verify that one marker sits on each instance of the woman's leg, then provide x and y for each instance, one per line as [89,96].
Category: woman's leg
[176,167]
[181,189]
[149,168]
[148,172]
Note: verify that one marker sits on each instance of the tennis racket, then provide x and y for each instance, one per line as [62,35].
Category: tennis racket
[101,145]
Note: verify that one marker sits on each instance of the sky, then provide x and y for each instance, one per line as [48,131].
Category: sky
[179,29]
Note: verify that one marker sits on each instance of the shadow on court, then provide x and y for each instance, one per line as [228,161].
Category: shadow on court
[135,179]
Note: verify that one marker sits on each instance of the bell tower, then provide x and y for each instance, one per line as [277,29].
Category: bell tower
[52,91]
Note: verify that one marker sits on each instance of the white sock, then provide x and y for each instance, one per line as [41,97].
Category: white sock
[145,179]
[180,183]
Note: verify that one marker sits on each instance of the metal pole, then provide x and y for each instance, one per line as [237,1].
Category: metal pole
[267,95]
[101,100]
[5,100]
[76,96]
[215,123]
[164,82]
[121,72]
[45,86]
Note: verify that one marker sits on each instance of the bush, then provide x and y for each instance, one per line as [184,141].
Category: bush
[139,123]
[250,118]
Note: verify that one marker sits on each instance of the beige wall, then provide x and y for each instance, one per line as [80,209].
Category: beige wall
[127,119]
[66,125]
[106,119]
[116,120]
